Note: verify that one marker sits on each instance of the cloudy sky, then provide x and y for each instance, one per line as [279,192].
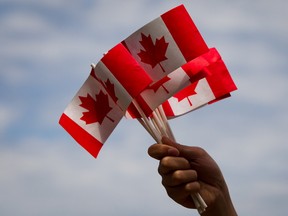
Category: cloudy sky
[47,47]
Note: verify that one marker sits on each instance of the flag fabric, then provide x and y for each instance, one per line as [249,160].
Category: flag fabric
[186,75]
[216,86]
[165,62]
[121,75]
[162,47]
[101,102]
[91,116]
[167,48]
[166,43]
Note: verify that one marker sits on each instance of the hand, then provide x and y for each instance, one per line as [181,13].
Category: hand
[186,170]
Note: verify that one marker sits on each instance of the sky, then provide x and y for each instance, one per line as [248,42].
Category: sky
[47,47]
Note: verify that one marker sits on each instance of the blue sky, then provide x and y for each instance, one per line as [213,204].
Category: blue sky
[46,50]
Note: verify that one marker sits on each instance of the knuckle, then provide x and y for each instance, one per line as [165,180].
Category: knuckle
[178,176]
[165,162]
[183,176]
[193,187]
[194,174]
[200,150]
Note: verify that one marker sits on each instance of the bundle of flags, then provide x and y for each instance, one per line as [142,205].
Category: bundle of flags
[161,71]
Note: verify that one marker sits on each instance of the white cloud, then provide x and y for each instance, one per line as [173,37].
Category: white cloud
[8,117]
[49,174]
[42,177]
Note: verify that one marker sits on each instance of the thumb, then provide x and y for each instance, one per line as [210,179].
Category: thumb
[188,152]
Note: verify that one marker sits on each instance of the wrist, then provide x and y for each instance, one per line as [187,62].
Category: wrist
[222,206]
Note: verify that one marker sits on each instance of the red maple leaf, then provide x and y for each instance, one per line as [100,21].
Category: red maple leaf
[160,83]
[186,92]
[97,109]
[153,54]
[97,78]
[110,88]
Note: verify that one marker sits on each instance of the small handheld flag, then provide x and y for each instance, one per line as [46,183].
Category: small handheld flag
[161,71]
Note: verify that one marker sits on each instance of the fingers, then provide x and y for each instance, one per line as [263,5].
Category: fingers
[176,171]
[182,193]
[188,152]
[179,180]
[159,151]
[171,148]
[179,177]
[170,164]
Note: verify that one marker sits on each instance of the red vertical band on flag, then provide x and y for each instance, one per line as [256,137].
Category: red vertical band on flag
[88,142]
[168,109]
[184,32]
[126,70]
[197,68]
[220,81]
[220,98]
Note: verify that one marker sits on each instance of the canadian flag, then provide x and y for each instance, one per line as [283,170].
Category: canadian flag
[91,116]
[185,76]
[216,86]
[166,43]
[120,70]
[165,62]
[101,102]
[174,54]
[161,48]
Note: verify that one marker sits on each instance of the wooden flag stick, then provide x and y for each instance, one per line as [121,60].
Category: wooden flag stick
[160,112]
[197,203]
[158,127]
[149,125]
[201,201]
[155,125]
[159,124]
[161,119]
[147,128]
